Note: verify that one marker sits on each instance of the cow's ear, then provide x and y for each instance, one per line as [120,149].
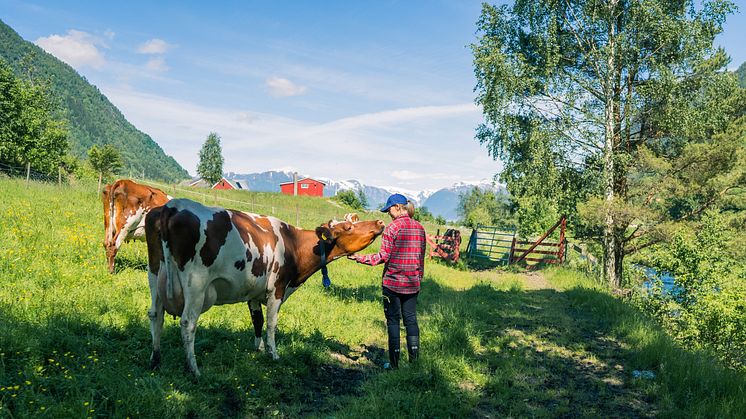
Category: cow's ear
[324,234]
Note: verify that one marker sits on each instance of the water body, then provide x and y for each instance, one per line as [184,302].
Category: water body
[667,280]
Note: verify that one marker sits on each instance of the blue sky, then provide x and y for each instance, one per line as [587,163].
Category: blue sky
[376,91]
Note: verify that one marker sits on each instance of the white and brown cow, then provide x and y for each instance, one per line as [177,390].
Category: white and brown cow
[202,256]
[125,205]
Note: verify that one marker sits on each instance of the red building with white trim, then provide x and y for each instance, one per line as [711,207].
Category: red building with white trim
[306,186]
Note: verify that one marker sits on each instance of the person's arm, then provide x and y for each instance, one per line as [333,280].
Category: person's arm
[387,244]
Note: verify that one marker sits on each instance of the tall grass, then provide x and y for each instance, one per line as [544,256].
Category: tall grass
[75,341]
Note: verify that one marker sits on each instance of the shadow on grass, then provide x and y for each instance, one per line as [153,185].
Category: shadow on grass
[543,355]
[125,261]
[540,352]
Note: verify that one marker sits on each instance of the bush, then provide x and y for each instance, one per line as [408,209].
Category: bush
[707,308]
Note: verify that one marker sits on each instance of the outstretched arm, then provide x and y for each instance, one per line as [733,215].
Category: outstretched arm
[387,244]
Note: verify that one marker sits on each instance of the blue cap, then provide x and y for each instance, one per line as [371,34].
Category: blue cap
[393,200]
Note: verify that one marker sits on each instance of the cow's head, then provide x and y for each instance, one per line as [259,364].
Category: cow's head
[350,237]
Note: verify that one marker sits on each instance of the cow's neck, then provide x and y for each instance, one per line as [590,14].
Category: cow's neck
[309,257]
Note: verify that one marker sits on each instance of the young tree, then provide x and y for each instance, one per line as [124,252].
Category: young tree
[362,198]
[478,206]
[211,159]
[586,85]
[350,198]
[29,131]
[104,160]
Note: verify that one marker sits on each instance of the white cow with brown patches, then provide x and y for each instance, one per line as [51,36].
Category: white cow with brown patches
[201,256]
[125,205]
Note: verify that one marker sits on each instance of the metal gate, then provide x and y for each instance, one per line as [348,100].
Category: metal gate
[491,243]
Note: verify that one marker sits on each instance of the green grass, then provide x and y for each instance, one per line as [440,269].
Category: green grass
[75,341]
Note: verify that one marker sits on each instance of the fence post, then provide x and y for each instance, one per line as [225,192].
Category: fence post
[59,175]
[472,240]
[562,240]
[512,250]
[28,172]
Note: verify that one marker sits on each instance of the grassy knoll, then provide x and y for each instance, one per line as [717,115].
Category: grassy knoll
[75,342]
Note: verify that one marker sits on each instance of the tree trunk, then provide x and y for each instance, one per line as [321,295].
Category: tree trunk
[610,242]
[100,177]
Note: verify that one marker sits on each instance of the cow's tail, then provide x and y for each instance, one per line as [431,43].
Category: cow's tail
[169,271]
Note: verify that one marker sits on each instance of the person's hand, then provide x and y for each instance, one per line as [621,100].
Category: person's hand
[356,258]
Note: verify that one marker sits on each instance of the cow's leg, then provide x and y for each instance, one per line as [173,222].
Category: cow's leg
[257,320]
[193,300]
[273,308]
[156,320]
[111,253]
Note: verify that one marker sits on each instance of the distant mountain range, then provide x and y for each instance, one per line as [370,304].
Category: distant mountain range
[442,202]
[92,118]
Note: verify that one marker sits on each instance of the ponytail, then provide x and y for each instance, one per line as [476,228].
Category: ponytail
[409,206]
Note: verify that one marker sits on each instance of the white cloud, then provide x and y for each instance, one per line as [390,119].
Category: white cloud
[281,87]
[397,116]
[417,148]
[156,64]
[154,46]
[77,48]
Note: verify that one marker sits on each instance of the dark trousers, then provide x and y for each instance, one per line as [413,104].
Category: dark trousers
[397,306]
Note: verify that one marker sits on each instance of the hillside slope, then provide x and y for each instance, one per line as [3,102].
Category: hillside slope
[75,340]
[92,118]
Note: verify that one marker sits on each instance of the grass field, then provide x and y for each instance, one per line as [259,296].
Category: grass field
[75,341]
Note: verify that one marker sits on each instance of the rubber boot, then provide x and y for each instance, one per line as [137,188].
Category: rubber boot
[394,352]
[413,347]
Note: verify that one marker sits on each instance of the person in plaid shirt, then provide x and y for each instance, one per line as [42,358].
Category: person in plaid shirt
[403,253]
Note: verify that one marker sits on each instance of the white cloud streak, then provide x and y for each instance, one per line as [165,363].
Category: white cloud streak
[367,147]
[156,64]
[280,87]
[154,46]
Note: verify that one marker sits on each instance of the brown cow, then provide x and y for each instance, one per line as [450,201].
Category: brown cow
[125,205]
[202,256]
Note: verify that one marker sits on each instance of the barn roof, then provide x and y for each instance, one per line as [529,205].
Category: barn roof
[301,180]
[230,182]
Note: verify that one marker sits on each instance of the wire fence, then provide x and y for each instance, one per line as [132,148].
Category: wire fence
[311,213]
[26,172]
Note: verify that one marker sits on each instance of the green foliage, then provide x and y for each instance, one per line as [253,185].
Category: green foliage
[741,75]
[484,207]
[105,160]
[350,198]
[211,159]
[29,131]
[576,93]
[92,119]
[362,198]
[707,308]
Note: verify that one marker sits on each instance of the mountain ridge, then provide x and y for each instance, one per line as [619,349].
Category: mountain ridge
[92,118]
[440,202]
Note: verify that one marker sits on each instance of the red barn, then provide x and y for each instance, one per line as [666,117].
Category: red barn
[306,186]
[224,184]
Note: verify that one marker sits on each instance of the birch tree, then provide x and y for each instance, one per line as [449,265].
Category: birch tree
[573,91]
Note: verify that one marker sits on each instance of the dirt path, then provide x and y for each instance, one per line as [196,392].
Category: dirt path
[564,360]
[536,281]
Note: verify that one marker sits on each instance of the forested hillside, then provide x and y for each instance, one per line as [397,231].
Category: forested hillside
[93,120]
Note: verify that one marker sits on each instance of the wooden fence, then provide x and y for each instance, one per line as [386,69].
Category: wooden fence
[489,242]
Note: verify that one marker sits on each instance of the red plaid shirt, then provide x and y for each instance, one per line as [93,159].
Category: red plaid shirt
[403,252]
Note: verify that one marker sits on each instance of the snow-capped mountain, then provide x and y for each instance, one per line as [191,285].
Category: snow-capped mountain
[441,202]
